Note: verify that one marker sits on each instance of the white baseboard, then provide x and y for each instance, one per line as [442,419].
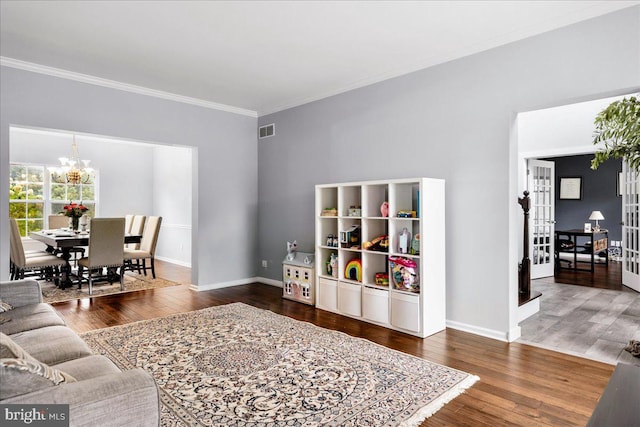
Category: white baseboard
[174,261]
[271,282]
[477,330]
[221,285]
[237,283]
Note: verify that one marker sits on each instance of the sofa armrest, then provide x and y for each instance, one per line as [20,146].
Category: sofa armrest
[22,292]
[129,398]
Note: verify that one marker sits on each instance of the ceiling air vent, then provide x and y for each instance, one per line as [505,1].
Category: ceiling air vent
[266,131]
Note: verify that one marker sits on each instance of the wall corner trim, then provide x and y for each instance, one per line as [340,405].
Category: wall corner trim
[98,81]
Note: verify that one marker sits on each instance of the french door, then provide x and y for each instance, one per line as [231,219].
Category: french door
[630,228]
[541,185]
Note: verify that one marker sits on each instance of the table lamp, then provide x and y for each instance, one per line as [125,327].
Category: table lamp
[596,215]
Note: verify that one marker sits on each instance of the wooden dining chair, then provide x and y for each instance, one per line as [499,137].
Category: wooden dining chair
[47,264]
[136,259]
[106,250]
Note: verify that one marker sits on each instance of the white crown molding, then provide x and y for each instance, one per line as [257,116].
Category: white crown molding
[85,78]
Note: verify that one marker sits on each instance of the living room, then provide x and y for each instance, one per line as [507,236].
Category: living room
[454,121]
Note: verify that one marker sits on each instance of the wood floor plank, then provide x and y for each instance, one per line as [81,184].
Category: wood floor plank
[519,385]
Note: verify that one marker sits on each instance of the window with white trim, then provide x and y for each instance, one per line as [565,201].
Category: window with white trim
[35,193]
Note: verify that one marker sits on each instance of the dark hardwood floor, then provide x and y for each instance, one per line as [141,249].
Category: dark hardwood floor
[519,384]
[603,277]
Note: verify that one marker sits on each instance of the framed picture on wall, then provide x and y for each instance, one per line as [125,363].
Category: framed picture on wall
[571,188]
[619,184]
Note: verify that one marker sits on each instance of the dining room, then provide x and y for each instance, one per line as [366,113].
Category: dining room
[125,178]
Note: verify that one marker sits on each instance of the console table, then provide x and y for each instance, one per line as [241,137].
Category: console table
[582,242]
[618,405]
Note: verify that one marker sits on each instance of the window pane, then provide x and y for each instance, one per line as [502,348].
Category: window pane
[18,173]
[87,192]
[34,225]
[36,173]
[17,210]
[57,208]
[73,193]
[17,191]
[35,210]
[35,191]
[58,192]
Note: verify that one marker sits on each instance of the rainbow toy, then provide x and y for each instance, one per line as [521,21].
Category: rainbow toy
[353,270]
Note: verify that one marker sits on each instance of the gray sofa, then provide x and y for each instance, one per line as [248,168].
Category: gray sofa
[45,362]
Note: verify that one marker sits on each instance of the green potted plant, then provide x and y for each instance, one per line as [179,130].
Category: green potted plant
[618,127]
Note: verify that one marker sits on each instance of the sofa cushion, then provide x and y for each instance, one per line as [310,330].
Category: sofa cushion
[20,373]
[28,317]
[88,367]
[52,344]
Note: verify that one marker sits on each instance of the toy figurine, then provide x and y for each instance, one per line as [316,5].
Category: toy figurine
[333,265]
[384,209]
[291,250]
[415,244]
[404,241]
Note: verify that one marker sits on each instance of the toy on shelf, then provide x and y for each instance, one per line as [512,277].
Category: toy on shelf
[404,274]
[332,265]
[384,209]
[351,237]
[332,240]
[329,212]
[380,244]
[355,211]
[353,270]
[415,244]
[382,279]
[406,214]
[404,241]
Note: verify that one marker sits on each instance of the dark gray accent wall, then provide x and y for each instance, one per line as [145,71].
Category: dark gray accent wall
[224,195]
[452,121]
[599,193]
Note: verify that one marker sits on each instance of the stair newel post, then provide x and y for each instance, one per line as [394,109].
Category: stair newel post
[524,268]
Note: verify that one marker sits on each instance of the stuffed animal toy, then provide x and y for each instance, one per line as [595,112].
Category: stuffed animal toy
[292,247]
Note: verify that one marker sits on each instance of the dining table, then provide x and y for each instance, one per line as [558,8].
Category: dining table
[62,241]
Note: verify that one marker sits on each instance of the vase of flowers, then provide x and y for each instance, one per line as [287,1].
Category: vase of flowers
[74,211]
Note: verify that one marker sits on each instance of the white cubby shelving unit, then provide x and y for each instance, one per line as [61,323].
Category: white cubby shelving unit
[419,311]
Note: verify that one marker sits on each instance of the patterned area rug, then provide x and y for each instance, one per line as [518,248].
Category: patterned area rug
[132,282]
[237,365]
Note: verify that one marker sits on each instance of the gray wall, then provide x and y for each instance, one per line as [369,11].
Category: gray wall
[453,121]
[225,188]
[599,193]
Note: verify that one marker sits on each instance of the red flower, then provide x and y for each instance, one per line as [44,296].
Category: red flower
[74,210]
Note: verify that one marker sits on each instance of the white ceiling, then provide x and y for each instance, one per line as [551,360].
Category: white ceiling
[266,56]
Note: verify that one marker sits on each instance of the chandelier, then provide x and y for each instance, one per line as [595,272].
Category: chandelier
[72,170]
